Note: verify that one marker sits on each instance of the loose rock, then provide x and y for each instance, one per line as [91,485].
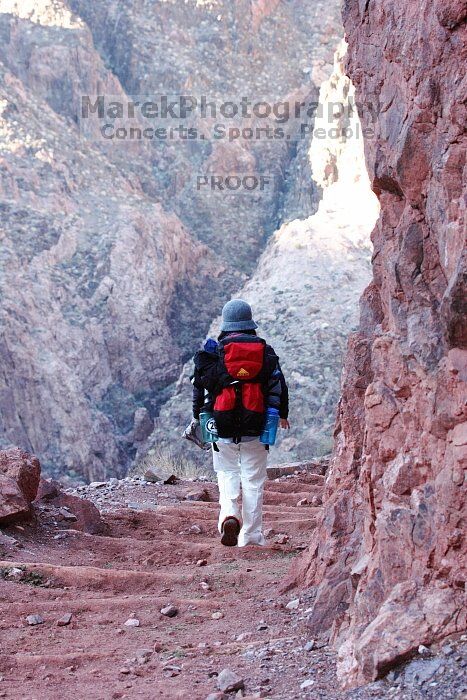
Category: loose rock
[143,655]
[228,681]
[172,670]
[15,574]
[34,620]
[169,611]
[241,637]
[64,620]
[281,539]
[48,489]
[66,515]
[132,622]
[199,495]
[195,530]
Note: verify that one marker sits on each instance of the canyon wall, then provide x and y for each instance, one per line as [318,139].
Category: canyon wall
[222,51]
[112,264]
[90,272]
[387,560]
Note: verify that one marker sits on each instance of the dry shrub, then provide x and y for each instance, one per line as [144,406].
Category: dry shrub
[163,459]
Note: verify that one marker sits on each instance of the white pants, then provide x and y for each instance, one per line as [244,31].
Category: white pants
[243,464]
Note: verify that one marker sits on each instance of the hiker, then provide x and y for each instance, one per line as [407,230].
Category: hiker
[238,381]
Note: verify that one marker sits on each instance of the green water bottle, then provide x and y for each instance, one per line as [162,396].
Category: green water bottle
[208,426]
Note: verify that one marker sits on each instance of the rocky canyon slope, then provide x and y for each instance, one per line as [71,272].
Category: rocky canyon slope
[305,289]
[104,249]
[387,561]
[89,269]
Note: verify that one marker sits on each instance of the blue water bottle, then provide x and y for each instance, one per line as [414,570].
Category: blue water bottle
[268,436]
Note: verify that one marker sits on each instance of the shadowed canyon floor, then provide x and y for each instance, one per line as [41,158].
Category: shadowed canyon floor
[160,549]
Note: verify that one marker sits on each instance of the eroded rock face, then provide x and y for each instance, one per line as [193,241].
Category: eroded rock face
[112,265]
[224,50]
[91,271]
[19,480]
[95,275]
[388,557]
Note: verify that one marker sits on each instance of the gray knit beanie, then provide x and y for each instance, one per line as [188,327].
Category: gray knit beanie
[237,316]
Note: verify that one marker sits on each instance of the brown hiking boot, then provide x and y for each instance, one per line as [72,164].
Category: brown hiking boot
[230,531]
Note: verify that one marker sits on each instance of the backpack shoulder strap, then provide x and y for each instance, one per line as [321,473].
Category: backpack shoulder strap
[204,359]
[207,369]
[271,362]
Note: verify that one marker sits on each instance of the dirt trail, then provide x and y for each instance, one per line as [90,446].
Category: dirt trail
[147,560]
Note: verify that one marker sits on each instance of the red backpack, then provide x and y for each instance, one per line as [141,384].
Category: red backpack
[239,405]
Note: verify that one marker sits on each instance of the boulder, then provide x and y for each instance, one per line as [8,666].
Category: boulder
[48,489]
[228,681]
[19,481]
[155,475]
[80,513]
[86,516]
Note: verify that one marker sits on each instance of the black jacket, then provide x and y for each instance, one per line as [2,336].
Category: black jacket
[276,395]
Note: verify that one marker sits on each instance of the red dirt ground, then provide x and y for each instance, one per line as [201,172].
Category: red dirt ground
[146,560]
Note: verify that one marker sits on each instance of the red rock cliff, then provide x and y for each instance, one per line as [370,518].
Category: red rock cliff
[387,557]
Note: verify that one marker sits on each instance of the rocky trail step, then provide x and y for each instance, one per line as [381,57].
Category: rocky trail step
[159,551]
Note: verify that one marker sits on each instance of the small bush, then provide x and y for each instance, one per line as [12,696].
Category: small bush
[33,578]
[168,462]
[30,578]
